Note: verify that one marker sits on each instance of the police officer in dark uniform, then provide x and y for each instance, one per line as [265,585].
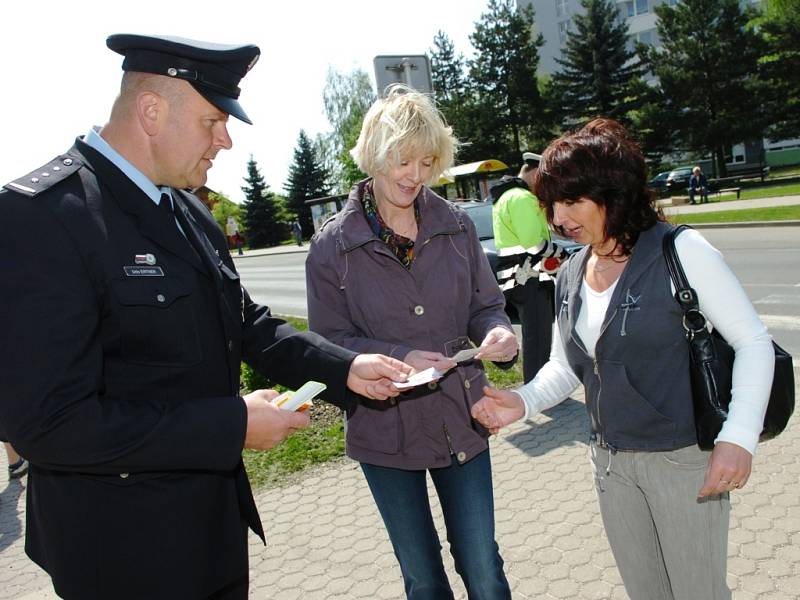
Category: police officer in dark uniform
[124,324]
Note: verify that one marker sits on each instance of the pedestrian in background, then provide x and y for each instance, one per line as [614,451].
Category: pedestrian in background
[519,224]
[297,229]
[698,184]
[400,271]
[664,502]
[129,322]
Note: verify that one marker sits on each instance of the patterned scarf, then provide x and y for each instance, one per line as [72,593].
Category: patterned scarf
[402,247]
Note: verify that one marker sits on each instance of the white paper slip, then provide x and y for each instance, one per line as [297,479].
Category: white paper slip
[465,354]
[418,379]
[301,399]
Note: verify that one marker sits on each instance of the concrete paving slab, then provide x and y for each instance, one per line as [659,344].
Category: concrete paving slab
[548,526]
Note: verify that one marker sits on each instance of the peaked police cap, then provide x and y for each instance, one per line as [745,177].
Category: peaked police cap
[214,70]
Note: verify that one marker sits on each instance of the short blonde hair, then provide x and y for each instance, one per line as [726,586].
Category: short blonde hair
[404,124]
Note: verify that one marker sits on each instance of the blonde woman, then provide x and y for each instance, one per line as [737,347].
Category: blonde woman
[400,270]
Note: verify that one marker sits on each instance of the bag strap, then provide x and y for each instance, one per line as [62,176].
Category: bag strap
[694,321]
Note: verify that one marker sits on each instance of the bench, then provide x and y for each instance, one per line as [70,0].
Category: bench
[718,191]
[756,171]
[738,191]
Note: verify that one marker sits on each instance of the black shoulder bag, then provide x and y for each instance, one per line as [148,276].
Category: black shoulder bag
[711,364]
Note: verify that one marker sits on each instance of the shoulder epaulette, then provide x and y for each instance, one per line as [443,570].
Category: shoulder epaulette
[46,176]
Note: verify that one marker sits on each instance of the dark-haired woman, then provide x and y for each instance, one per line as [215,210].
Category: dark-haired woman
[664,502]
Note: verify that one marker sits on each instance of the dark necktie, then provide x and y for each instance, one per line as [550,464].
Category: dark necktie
[165,205]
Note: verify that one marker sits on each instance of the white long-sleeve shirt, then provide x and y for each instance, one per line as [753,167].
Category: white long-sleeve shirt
[724,303]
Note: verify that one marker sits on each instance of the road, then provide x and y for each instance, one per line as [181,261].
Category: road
[766,260]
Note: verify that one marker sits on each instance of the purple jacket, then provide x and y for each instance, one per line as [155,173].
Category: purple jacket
[361,297]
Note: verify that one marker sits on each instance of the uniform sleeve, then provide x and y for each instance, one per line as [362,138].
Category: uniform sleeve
[726,305]
[328,313]
[290,357]
[54,405]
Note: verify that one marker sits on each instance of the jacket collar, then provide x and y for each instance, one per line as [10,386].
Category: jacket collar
[133,201]
[437,217]
[645,252]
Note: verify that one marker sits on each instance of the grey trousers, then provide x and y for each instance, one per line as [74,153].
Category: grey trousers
[668,544]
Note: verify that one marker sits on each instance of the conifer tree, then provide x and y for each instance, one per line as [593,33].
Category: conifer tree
[708,72]
[597,66]
[260,211]
[308,179]
[781,67]
[508,108]
[448,71]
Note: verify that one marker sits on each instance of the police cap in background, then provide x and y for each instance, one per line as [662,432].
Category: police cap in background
[531,159]
[214,70]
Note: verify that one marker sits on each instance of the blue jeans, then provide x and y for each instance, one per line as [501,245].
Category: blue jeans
[465,493]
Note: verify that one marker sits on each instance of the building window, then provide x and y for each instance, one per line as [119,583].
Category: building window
[561,8]
[735,154]
[563,32]
[632,8]
[648,37]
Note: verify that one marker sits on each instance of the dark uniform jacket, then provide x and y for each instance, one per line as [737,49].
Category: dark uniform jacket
[119,381]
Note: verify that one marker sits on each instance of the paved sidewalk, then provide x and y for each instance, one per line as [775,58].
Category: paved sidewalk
[331,545]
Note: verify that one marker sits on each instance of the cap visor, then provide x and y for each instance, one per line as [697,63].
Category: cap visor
[226,104]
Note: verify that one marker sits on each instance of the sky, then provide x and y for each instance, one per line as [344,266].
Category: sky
[59,79]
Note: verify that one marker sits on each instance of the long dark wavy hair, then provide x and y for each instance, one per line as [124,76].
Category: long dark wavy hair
[603,163]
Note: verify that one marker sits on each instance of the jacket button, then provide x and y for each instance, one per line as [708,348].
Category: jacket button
[230,345]
[461,456]
[160,298]
[124,475]
[419,310]
[467,384]
[432,385]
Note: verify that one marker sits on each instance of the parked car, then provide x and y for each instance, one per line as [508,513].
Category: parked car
[678,180]
[659,182]
[481,215]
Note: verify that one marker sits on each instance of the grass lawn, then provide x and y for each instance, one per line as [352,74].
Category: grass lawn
[775,213]
[762,192]
[324,439]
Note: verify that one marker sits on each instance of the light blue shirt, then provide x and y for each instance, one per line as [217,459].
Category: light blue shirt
[94,140]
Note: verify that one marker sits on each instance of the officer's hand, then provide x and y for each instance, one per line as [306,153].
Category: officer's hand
[267,425]
[371,375]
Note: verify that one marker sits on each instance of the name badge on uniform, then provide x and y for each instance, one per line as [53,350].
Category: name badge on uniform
[144,271]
